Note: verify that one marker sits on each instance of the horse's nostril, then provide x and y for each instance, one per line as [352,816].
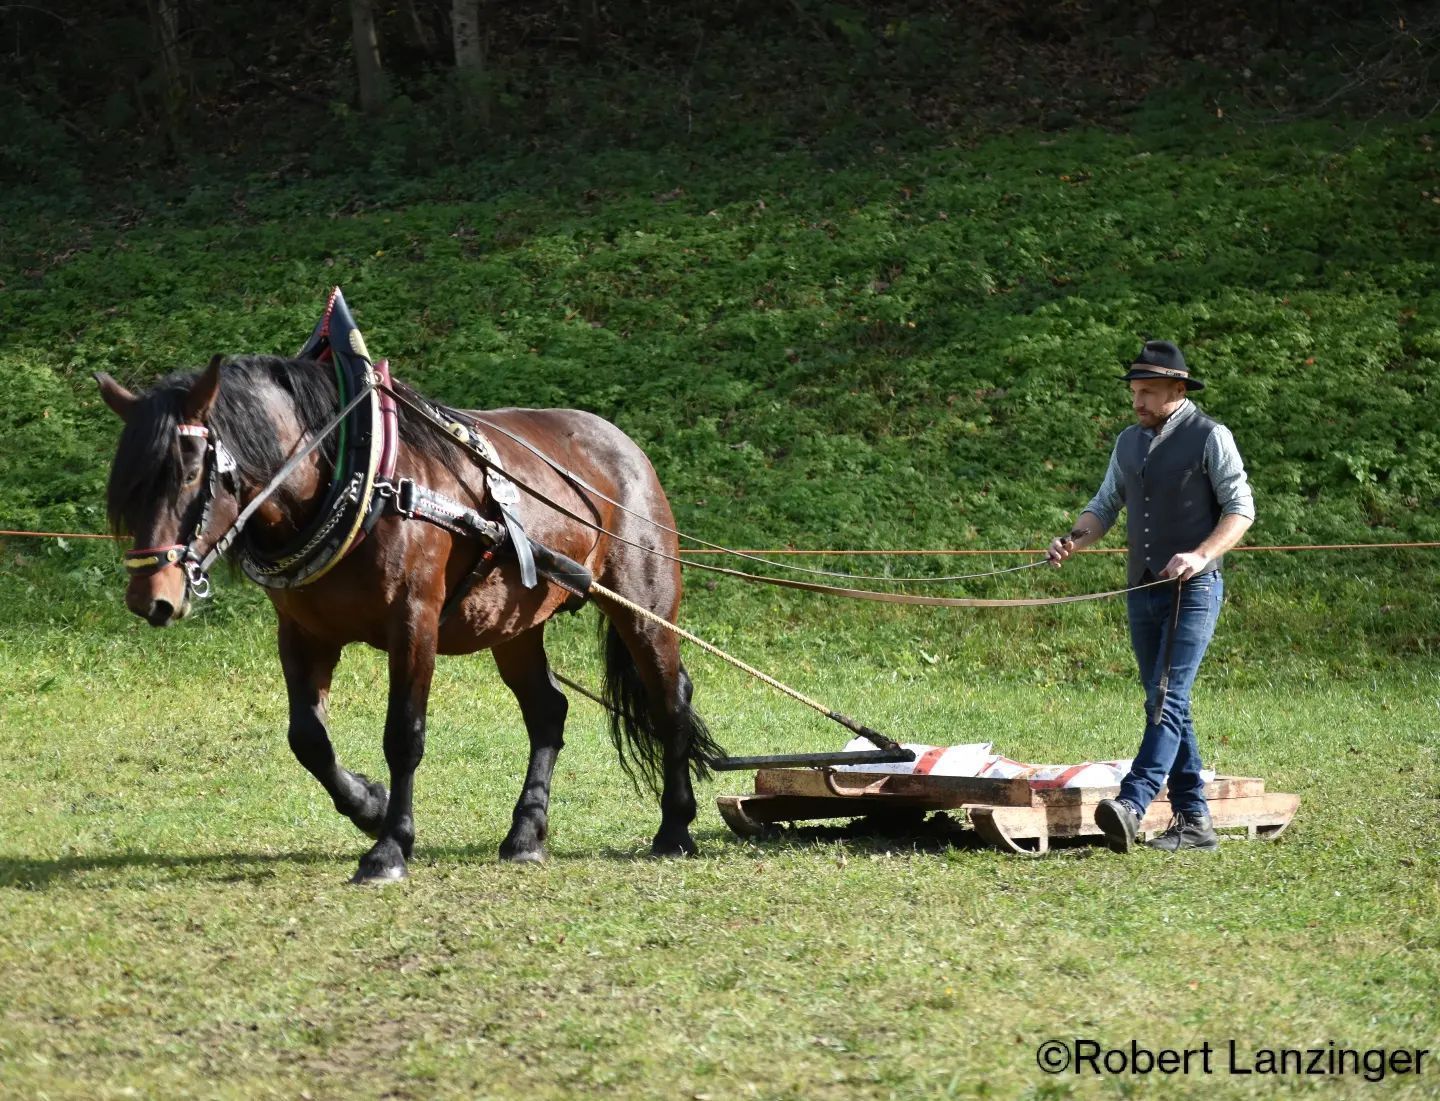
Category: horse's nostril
[161,613]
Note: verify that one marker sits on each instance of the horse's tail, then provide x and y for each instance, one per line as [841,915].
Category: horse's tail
[632,726]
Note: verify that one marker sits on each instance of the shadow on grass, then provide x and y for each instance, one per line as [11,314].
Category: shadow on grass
[936,833]
[40,873]
[884,834]
[235,867]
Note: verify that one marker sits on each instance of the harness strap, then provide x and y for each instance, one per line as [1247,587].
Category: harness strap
[145,560]
[503,493]
[477,573]
[411,500]
[521,541]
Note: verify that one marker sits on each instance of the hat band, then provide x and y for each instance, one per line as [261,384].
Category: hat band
[1168,372]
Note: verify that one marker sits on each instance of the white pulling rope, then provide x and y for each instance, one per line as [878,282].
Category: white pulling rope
[709,648]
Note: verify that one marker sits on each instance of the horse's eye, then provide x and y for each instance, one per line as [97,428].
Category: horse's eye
[192,466]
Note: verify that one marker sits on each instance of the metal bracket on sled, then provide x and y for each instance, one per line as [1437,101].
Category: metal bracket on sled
[897,755]
[888,751]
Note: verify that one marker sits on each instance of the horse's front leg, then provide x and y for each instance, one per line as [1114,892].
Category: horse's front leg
[308,665]
[412,665]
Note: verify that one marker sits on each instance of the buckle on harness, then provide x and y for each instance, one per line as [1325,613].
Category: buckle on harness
[196,577]
[401,496]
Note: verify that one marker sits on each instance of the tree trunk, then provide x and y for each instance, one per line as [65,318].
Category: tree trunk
[471,75]
[590,29]
[165,16]
[369,75]
[465,32]
[421,33]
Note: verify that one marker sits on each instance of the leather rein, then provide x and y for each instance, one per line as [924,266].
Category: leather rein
[759,579]
[220,467]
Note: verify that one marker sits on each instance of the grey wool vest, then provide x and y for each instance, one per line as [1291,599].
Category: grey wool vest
[1170,506]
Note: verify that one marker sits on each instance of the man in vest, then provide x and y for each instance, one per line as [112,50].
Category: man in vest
[1179,476]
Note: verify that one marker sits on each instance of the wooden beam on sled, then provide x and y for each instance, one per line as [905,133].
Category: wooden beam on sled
[1008,814]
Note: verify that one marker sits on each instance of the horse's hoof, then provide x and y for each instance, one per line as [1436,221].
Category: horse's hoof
[682,847]
[523,856]
[382,864]
[367,877]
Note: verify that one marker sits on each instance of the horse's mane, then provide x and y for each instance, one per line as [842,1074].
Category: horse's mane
[147,466]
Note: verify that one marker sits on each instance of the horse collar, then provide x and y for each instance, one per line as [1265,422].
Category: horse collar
[365,454]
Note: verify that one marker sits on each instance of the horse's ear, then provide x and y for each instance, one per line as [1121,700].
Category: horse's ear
[203,393]
[121,400]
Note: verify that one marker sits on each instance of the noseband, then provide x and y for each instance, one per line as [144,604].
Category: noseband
[220,472]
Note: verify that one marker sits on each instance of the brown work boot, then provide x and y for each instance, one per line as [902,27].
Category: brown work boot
[1187,831]
[1119,821]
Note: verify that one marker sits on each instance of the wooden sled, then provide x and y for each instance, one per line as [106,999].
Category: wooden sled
[1010,815]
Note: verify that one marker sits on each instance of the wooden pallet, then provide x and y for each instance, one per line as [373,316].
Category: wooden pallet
[1008,814]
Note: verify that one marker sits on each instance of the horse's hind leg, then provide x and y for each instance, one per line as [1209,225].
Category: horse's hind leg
[308,665]
[526,672]
[648,685]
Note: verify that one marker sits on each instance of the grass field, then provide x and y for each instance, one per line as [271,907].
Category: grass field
[852,343]
[175,921]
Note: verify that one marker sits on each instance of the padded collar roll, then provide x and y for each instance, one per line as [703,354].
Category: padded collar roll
[366,446]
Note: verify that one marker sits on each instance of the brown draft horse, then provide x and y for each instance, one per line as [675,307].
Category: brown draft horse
[389,590]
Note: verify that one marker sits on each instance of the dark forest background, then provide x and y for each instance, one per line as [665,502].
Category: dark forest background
[93,94]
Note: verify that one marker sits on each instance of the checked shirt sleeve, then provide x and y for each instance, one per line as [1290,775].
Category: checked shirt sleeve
[1106,504]
[1227,474]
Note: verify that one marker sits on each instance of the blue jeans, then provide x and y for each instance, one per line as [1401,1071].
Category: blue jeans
[1169,749]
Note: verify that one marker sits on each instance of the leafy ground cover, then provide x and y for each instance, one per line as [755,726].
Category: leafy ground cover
[910,349]
[795,345]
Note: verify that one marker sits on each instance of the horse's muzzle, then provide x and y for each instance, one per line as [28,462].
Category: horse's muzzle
[155,610]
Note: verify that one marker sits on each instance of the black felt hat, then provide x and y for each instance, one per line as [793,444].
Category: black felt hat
[1161,359]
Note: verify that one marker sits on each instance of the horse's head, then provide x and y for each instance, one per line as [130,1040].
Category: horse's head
[169,488]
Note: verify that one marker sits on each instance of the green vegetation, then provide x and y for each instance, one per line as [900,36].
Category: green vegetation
[900,335]
[916,349]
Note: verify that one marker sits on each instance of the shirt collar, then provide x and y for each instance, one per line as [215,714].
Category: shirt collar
[1187,408]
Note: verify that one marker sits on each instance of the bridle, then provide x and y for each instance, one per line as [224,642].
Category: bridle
[219,473]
